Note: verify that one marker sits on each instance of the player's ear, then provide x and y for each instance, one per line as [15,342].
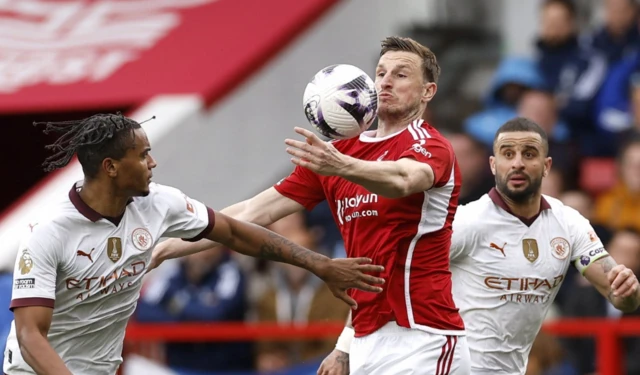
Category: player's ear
[429,90]
[492,164]
[547,166]
[110,167]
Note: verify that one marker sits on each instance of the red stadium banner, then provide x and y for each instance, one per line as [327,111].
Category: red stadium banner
[78,54]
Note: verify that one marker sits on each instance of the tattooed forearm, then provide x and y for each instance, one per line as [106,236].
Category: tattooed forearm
[607,264]
[280,249]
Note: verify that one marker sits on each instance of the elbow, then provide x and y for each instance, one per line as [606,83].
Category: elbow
[397,191]
[402,187]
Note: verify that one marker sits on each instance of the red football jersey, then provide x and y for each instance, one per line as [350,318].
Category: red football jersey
[409,236]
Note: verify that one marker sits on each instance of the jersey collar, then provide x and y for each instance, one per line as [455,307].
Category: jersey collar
[84,209]
[497,199]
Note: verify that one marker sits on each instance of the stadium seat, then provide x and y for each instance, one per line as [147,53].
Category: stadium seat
[597,174]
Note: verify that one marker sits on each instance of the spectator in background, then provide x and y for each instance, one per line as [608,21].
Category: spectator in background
[583,203]
[585,301]
[296,297]
[513,78]
[552,185]
[540,107]
[207,287]
[557,45]
[619,35]
[620,207]
[472,161]
[572,71]
[618,104]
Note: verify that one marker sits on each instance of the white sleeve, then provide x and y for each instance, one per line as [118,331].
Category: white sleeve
[586,247]
[186,218]
[34,275]
[461,240]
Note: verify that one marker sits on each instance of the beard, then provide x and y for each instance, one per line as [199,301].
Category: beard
[398,112]
[531,188]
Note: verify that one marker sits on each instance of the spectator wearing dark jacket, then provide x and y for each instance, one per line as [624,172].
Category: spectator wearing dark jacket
[572,70]
[619,35]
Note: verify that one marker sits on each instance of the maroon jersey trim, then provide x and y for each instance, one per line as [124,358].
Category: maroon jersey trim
[26,302]
[212,220]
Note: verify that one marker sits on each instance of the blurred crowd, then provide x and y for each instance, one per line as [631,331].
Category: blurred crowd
[582,87]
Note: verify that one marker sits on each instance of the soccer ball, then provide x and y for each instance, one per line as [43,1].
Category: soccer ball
[341,101]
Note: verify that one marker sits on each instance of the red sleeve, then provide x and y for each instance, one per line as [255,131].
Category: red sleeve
[303,186]
[436,152]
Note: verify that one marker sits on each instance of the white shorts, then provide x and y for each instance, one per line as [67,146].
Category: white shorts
[402,351]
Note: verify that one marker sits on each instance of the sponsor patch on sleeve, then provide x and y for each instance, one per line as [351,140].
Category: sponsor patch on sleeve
[586,260]
[29,283]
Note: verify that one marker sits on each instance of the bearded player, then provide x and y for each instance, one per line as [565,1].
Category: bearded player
[393,193]
[510,253]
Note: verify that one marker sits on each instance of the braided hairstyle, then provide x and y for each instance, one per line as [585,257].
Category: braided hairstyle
[93,139]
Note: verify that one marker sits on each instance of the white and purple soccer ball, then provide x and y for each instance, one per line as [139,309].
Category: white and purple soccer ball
[341,101]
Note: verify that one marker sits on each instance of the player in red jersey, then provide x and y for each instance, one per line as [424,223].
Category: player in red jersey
[393,193]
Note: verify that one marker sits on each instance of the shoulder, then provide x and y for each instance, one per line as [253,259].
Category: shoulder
[53,221]
[563,212]
[475,212]
[569,218]
[474,219]
[419,130]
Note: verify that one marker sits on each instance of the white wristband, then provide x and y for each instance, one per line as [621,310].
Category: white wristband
[344,341]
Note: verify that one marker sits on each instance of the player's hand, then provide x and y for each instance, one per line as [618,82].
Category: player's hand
[624,282]
[317,155]
[336,363]
[343,274]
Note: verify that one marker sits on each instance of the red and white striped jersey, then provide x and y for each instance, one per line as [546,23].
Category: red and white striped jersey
[409,236]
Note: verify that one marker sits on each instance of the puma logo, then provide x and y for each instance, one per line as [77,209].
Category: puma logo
[81,253]
[500,249]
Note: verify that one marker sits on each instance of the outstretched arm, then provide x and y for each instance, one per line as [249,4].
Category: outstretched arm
[256,241]
[263,209]
[391,179]
[616,282]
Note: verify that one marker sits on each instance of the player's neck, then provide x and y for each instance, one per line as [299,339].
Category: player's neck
[101,198]
[526,209]
[388,125]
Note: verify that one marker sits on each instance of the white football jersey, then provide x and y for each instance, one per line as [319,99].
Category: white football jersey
[507,271]
[89,269]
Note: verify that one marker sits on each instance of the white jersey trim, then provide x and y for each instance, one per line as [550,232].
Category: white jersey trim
[433,218]
[415,128]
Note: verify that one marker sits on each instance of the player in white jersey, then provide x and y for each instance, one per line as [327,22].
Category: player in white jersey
[511,250]
[510,253]
[79,270]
